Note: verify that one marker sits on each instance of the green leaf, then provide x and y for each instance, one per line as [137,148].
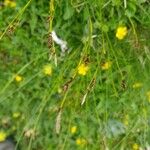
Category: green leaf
[69,11]
[131,9]
[116,2]
[33,21]
[141,1]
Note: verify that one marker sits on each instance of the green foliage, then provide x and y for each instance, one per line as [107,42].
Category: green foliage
[115,114]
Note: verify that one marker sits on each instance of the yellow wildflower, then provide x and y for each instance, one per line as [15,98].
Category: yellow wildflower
[47,70]
[6,2]
[10,3]
[106,65]
[121,32]
[2,136]
[126,120]
[13,4]
[135,146]
[16,115]
[78,141]
[73,129]
[18,78]
[82,69]
[137,85]
[81,141]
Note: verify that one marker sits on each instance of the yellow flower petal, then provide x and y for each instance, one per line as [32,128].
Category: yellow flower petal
[47,70]
[10,3]
[81,141]
[73,129]
[2,136]
[106,65]
[13,4]
[18,78]
[6,2]
[16,115]
[137,85]
[135,146]
[78,141]
[126,120]
[121,32]
[82,69]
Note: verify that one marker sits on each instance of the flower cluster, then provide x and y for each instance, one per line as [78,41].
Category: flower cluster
[83,69]
[47,70]
[79,141]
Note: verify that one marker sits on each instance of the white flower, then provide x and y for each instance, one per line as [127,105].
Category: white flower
[60,42]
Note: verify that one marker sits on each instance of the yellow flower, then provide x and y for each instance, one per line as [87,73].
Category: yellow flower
[16,115]
[106,65]
[10,3]
[121,32]
[82,69]
[126,120]
[135,146]
[78,141]
[73,129]
[137,85]
[2,136]
[13,4]
[47,70]
[18,78]
[6,2]
[81,141]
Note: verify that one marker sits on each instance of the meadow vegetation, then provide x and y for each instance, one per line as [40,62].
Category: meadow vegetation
[94,94]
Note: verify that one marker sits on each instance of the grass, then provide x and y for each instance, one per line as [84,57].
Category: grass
[108,106]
